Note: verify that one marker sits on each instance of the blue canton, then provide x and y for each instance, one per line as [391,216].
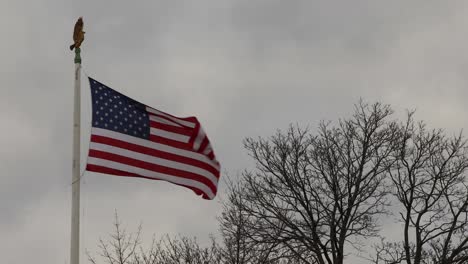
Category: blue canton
[117,112]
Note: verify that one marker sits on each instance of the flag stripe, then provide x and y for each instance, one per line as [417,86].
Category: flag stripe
[154,160]
[105,170]
[169,135]
[181,121]
[102,169]
[154,145]
[203,145]
[211,155]
[175,173]
[170,142]
[198,139]
[131,170]
[163,120]
[170,128]
[156,153]
[207,150]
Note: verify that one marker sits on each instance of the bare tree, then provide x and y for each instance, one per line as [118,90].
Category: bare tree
[125,248]
[388,253]
[312,195]
[121,247]
[239,249]
[239,246]
[186,251]
[429,182]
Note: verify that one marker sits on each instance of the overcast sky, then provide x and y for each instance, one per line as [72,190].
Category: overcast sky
[245,68]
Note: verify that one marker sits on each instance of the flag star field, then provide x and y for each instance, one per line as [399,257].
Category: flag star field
[117,112]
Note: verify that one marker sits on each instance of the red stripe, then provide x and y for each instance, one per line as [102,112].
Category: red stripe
[170,120]
[170,142]
[149,166]
[189,119]
[203,144]
[154,153]
[194,136]
[177,120]
[211,155]
[105,170]
[179,130]
[152,167]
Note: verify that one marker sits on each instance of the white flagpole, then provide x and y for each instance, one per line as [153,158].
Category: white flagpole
[75,214]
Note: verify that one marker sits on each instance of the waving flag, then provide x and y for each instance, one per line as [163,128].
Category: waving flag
[131,139]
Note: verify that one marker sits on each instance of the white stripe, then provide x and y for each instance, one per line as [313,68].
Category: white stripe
[198,139]
[154,160]
[175,119]
[151,174]
[169,135]
[207,149]
[154,145]
[162,120]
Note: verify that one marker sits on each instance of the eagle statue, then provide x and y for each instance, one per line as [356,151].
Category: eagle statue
[78,34]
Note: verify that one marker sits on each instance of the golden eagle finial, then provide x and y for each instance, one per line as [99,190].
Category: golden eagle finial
[78,34]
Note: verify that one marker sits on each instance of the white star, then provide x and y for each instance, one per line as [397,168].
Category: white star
[120,102]
[110,100]
[100,88]
[139,128]
[115,127]
[121,123]
[130,126]
[134,122]
[125,130]
[102,108]
[102,118]
[105,125]
[105,104]
[97,101]
[116,117]
[130,115]
[96,123]
[100,97]
[125,108]
[134,111]
[105,94]
[121,112]
[139,118]
[111,120]
[144,124]
[106,114]
[110,110]
[97,112]
[115,106]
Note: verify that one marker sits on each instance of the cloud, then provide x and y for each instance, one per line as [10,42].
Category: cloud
[245,68]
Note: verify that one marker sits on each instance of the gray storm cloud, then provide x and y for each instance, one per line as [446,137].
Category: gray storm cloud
[245,68]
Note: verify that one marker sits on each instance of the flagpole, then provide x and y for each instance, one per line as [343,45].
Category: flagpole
[75,214]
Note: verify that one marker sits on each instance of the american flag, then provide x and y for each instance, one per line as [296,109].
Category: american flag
[131,139]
